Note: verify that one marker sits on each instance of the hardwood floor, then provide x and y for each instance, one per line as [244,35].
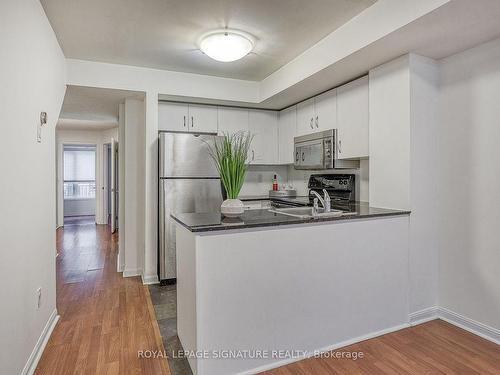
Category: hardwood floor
[435,347]
[105,318]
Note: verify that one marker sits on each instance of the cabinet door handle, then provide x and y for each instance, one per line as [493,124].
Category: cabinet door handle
[317,121]
[302,156]
[192,121]
[297,157]
[253,155]
[311,123]
[184,121]
[340,146]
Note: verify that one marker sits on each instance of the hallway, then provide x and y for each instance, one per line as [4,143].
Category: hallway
[105,319]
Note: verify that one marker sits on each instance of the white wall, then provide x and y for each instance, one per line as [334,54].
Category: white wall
[121,188]
[134,193]
[469,139]
[424,154]
[403,157]
[389,136]
[93,137]
[32,76]
[79,207]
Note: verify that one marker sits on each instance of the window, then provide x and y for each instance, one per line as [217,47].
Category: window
[79,172]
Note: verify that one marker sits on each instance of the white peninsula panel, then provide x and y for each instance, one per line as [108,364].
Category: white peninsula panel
[300,287]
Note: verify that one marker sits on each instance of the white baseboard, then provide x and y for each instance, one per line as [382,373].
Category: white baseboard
[477,328]
[424,315]
[119,266]
[150,279]
[132,272]
[324,349]
[418,317]
[36,354]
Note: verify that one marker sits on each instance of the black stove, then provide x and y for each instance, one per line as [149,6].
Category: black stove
[340,187]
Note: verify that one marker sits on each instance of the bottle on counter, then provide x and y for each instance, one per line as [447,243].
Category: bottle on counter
[275,183]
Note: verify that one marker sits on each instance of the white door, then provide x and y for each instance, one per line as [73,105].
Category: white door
[287,130]
[305,117]
[173,116]
[232,120]
[264,126]
[114,185]
[202,118]
[352,119]
[325,106]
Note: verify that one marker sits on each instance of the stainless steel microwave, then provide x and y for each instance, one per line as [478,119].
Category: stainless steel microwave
[319,151]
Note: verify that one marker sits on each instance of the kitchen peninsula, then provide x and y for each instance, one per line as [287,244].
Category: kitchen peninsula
[271,282]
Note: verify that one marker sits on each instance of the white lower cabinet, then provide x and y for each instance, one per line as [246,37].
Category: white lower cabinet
[287,131]
[264,126]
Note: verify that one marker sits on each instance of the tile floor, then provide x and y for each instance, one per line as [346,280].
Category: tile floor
[164,300]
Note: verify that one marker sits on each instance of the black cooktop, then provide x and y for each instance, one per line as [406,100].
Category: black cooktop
[340,187]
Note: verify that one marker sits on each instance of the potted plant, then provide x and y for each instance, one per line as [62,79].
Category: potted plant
[230,154]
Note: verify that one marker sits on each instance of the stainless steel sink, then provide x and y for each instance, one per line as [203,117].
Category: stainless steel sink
[305,212]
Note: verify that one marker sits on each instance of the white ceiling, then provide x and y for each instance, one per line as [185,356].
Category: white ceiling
[163,33]
[88,108]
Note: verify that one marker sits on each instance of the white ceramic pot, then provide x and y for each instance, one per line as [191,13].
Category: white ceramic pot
[232,208]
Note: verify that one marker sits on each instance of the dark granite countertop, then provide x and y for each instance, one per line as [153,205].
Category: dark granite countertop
[254,198]
[214,221]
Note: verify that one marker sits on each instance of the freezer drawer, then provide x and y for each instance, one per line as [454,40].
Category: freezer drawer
[186,155]
[181,196]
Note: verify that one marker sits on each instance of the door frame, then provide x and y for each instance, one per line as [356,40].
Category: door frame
[105,186]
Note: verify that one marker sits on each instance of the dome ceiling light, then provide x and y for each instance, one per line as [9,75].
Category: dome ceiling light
[226,45]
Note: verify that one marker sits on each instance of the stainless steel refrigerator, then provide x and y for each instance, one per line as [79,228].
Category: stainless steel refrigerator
[188,182]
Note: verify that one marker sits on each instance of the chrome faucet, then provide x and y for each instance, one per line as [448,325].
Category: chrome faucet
[325,202]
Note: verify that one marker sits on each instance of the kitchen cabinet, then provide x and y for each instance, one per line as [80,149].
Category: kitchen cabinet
[264,126]
[325,108]
[173,116]
[187,117]
[202,118]
[318,113]
[232,120]
[352,120]
[305,117]
[287,130]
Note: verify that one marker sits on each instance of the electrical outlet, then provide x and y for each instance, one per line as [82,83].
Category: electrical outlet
[38,298]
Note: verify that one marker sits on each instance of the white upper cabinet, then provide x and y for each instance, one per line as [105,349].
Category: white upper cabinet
[287,130]
[318,113]
[352,120]
[202,118]
[187,117]
[264,126]
[173,116]
[305,117]
[232,120]
[325,108]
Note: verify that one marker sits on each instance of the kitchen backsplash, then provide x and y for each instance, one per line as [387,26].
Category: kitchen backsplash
[259,179]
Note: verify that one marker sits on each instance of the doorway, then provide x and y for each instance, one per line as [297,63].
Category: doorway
[79,184]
